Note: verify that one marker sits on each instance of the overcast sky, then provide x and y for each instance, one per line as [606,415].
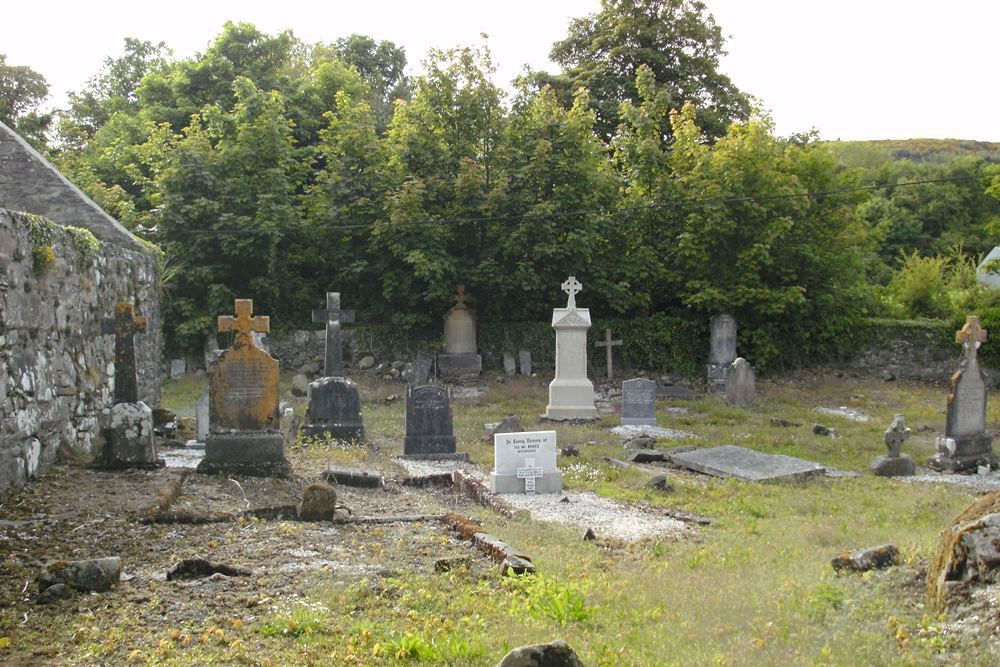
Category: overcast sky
[852,69]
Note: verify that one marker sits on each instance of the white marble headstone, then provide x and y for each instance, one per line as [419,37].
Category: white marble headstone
[525,462]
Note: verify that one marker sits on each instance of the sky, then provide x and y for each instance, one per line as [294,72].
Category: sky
[852,69]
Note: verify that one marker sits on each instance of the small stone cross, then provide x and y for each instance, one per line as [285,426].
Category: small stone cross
[460,297]
[243,323]
[333,316]
[571,286]
[896,435]
[971,336]
[608,343]
[125,326]
[529,473]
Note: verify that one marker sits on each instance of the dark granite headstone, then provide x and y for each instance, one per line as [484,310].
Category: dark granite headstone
[639,402]
[428,421]
[335,410]
[333,317]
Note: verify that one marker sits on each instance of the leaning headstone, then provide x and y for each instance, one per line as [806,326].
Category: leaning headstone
[333,317]
[722,350]
[896,464]
[740,384]
[571,394]
[128,429]
[244,434]
[524,362]
[334,410]
[421,370]
[639,402]
[988,271]
[966,444]
[746,464]
[459,362]
[525,463]
[429,428]
[201,418]
[509,363]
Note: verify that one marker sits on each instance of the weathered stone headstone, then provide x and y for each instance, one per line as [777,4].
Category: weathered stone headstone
[571,394]
[741,385]
[988,271]
[525,463]
[244,434]
[896,464]
[459,362]
[201,418]
[421,369]
[966,444]
[178,367]
[639,402]
[746,464]
[429,429]
[524,362]
[124,327]
[509,363]
[333,317]
[609,344]
[722,350]
[335,410]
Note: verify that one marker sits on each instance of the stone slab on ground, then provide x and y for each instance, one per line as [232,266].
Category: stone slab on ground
[845,412]
[631,431]
[353,477]
[188,456]
[747,464]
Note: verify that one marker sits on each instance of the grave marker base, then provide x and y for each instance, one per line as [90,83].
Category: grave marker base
[548,483]
[957,454]
[253,454]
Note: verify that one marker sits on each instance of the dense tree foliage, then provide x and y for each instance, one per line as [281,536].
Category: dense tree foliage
[22,90]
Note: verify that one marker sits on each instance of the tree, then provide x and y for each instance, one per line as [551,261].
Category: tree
[381,65]
[22,90]
[677,39]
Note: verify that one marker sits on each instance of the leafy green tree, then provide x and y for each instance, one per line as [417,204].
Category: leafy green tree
[381,64]
[22,91]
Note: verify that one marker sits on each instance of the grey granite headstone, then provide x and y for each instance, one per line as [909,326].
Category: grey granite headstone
[524,361]
[746,464]
[509,363]
[896,464]
[201,417]
[639,402]
[421,369]
[334,410]
[741,384]
[722,350]
[177,368]
[429,427]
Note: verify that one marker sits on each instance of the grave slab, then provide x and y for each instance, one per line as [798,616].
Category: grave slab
[746,464]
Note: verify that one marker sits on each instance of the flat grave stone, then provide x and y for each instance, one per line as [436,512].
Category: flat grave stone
[746,464]
[525,462]
[639,402]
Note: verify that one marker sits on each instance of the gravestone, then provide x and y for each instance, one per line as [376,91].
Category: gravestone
[421,370]
[459,362]
[509,363]
[722,350]
[571,394]
[525,463]
[244,434]
[746,464]
[988,271]
[609,344]
[966,444]
[524,362]
[333,317]
[178,367]
[128,427]
[639,402]
[740,384]
[896,464]
[334,410]
[429,430]
[201,418]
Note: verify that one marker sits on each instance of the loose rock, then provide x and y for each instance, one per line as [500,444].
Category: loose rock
[97,574]
[828,431]
[319,503]
[969,551]
[300,385]
[660,483]
[553,654]
[863,560]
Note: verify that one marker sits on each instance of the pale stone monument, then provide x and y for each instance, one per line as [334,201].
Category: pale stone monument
[741,384]
[525,463]
[896,464]
[571,394]
[966,444]
[638,402]
[988,272]
[460,362]
[722,350]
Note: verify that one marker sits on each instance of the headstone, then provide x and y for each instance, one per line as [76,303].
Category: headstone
[212,351]
[525,463]
[124,327]
[966,444]
[746,464]
[459,362]
[722,350]
[740,384]
[333,317]
[244,435]
[509,363]
[334,410]
[429,428]
[609,344]
[639,402]
[571,394]
[177,368]
[524,362]
[422,365]
[896,464]
[201,417]
[988,271]
[509,424]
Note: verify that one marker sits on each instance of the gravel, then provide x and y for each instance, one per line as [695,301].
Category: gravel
[984,483]
[653,431]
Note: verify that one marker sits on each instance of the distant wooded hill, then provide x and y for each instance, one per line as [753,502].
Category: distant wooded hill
[871,153]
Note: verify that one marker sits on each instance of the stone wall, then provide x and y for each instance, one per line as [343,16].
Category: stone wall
[58,288]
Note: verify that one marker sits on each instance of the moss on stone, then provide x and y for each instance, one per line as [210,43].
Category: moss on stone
[950,556]
[84,243]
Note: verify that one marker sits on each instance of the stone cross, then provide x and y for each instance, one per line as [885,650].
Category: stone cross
[571,286]
[333,316]
[529,472]
[243,323]
[971,336]
[124,327]
[460,297]
[608,343]
[896,435]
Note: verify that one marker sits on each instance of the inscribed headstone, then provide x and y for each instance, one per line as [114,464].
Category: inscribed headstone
[335,410]
[429,427]
[741,385]
[524,361]
[639,402]
[525,463]
[722,349]
[571,394]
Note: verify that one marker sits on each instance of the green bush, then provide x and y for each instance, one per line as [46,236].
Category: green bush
[920,286]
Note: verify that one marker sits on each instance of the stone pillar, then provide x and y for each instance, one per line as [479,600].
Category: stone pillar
[571,394]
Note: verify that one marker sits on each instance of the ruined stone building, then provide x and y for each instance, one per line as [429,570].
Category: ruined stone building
[64,264]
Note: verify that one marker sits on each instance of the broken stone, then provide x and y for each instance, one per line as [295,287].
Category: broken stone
[641,442]
[300,385]
[784,423]
[828,431]
[969,551]
[553,654]
[589,535]
[53,593]
[366,362]
[509,424]
[646,456]
[570,450]
[200,568]
[319,503]
[352,477]
[863,560]
[660,483]
[95,574]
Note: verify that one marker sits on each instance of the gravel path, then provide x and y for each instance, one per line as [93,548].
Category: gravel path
[983,483]
[652,431]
